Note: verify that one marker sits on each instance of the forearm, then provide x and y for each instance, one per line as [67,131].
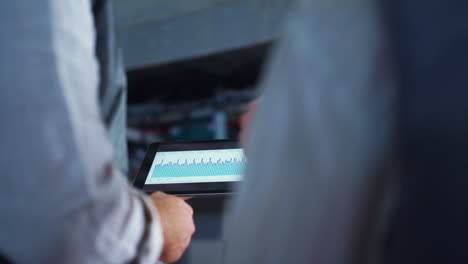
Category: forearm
[60,198]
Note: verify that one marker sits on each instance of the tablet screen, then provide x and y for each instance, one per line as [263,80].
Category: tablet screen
[196,166]
[209,167]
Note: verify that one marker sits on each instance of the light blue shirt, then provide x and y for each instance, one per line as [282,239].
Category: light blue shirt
[61,200]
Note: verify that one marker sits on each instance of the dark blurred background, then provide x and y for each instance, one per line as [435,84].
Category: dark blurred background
[192,69]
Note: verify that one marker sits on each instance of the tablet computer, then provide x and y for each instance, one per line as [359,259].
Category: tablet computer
[192,168]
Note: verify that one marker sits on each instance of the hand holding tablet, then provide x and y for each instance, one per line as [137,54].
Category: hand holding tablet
[176,219]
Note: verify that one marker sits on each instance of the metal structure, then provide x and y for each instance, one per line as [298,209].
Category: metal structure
[156,32]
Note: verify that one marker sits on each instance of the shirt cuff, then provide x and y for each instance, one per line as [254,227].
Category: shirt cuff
[152,241]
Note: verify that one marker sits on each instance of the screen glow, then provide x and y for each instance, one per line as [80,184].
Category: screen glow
[220,165]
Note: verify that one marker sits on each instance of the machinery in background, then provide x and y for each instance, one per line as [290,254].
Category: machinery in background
[216,117]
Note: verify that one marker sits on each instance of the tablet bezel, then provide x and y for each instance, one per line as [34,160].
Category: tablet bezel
[184,189]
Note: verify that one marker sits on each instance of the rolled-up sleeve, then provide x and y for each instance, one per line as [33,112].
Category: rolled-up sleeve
[61,200]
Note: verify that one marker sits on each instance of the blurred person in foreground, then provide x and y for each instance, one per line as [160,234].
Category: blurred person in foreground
[357,152]
[62,199]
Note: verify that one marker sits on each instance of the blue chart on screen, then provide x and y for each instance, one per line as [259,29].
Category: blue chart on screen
[203,168]
[197,166]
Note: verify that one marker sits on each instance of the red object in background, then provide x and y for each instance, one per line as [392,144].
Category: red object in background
[245,121]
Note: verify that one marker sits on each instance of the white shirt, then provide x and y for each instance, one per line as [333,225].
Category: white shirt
[61,201]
